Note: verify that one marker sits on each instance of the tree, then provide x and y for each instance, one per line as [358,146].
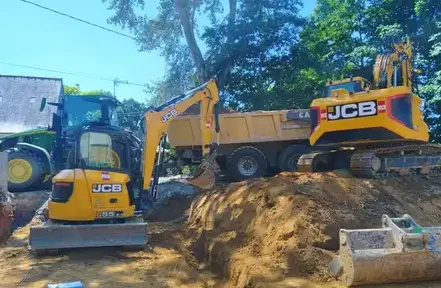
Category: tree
[130,112]
[76,90]
[200,40]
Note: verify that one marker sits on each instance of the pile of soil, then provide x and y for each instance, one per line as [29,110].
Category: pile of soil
[278,231]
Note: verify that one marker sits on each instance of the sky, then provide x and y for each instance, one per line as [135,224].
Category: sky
[31,36]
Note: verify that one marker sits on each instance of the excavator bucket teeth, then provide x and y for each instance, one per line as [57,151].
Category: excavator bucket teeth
[205,178]
[53,235]
[400,251]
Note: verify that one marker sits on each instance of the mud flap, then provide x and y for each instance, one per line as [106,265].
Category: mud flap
[53,235]
[400,251]
[205,178]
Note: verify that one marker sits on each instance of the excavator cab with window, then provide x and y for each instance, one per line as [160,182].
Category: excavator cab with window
[377,132]
[96,200]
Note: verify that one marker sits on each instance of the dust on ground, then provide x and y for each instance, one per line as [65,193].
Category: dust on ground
[275,232]
[162,266]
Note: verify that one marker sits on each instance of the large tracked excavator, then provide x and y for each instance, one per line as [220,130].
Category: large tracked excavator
[374,130]
[96,200]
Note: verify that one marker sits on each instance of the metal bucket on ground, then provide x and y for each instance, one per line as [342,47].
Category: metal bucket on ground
[400,251]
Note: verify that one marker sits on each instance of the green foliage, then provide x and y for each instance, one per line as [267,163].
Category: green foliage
[130,112]
[266,56]
[76,90]
[240,35]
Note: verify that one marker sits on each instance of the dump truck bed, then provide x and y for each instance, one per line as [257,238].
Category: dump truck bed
[249,127]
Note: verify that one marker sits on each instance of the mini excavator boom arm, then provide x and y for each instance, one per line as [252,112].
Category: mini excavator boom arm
[157,121]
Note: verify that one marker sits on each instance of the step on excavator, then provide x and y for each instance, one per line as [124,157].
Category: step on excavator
[373,130]
[97,200]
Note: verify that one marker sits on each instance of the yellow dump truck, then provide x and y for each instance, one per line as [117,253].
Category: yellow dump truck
[251,144]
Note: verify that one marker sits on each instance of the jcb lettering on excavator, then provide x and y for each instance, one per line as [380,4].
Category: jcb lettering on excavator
[169,115]
[352,110]
[106,188]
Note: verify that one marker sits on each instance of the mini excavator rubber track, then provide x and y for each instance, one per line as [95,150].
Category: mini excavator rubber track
[380,162]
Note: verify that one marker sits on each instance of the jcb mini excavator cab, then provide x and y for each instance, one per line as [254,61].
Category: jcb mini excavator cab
[94,199]
[98,188]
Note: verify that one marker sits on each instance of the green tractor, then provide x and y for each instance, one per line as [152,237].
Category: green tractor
[34,156]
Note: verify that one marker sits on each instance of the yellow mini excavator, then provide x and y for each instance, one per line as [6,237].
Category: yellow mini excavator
[375,130]
[96,201]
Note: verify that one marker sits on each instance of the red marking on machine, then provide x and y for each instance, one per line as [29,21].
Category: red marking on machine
[381,106]
[323,115]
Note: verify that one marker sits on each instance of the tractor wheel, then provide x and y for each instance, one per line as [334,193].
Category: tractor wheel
[24,171]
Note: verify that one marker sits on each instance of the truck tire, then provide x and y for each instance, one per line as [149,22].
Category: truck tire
[246,162]
[290,155]
[24,171]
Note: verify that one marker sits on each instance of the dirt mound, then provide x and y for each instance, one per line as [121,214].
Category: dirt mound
[283,228]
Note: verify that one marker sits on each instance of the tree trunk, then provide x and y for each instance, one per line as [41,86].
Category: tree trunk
[229,62]
[185,18]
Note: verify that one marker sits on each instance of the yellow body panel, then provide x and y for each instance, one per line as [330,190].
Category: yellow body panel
[84,204]
[249,127]
[419,131]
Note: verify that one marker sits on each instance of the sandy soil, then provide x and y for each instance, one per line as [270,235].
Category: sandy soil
[276,232]
[162,266]
[271,232]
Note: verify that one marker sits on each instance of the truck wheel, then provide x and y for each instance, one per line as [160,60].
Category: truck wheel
[24,171]
[247,162]
[289,157]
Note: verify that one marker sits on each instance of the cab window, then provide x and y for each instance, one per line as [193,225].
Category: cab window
[99,150]
[354,87]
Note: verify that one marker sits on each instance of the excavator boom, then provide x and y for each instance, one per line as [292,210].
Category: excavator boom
[157,121]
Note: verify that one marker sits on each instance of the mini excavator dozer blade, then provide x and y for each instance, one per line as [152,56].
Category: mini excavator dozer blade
[46,234]
[400,251]
[205,177]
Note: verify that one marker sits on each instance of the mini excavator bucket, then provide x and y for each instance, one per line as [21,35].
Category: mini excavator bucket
[205,177]
[400,251]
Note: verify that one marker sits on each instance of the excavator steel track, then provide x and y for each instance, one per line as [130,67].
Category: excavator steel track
[375,161]
[395,161]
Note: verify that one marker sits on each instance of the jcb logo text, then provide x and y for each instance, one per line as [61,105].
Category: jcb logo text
[353,110]
[169,115]
[106,188]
